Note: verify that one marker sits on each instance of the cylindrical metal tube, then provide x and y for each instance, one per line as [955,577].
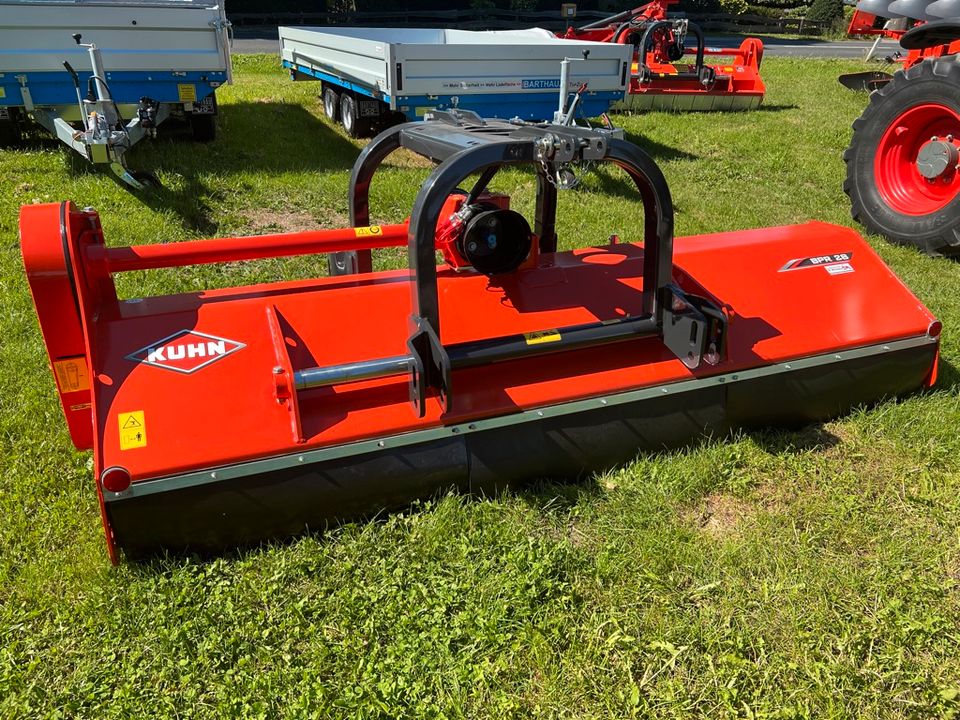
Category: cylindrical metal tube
[564,83]
[199,252]
[96,65]
[471,354]
[512,347]
[619,17]
[351,372]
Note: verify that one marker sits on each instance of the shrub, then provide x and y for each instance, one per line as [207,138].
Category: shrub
[762,11]
[734,7]
[699,6]
[828,11]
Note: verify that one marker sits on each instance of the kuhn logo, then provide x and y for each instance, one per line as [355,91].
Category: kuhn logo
[185,351]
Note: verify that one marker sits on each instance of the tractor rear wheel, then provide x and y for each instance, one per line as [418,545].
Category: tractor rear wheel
[903,163]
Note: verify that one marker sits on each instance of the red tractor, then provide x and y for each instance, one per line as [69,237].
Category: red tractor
[903,163]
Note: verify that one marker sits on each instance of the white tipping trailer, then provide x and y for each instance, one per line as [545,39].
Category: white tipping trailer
[154,58]
[370,74]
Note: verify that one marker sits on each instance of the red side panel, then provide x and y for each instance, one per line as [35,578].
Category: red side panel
[43,230]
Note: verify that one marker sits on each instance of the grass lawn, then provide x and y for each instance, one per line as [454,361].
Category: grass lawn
[802,574]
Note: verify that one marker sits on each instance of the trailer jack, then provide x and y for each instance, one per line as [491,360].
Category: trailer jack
[104,138]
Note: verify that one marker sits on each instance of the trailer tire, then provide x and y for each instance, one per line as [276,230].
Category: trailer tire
[9,133]
[203,127]
[147,179]
[331,102]
[888,195]
[355,126]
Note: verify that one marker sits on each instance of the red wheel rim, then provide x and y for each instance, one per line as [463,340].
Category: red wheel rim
[899,181]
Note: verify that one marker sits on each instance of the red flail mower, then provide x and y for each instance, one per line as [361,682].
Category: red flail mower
[224,417]
[660,80]
[903,163]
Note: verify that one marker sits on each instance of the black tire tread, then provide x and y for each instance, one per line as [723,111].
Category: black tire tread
[945,239]
[203,127]
[336,97]
[10,135]
[361,126]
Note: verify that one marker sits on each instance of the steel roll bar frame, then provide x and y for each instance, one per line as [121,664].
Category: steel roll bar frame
[517,146]
[463,144]
[646,44]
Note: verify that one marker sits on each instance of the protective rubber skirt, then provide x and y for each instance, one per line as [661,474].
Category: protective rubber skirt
[292,494]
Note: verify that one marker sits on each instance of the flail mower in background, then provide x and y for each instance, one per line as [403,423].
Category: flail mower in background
[227,416]
[903,163]
[660,80]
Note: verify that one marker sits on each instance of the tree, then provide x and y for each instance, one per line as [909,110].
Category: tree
[828,11]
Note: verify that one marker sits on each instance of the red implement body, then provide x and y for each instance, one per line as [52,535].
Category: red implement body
[662,77]
[223,417]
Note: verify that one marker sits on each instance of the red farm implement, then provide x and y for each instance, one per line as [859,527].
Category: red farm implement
[223,417]
[662,77]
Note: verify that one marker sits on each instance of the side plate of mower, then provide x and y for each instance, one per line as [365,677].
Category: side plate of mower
[225,417]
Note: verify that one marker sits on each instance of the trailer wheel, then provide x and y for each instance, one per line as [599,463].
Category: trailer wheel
[903,163]
[9,133]
[147,179]
[204,127]
[331,102]
[350,117]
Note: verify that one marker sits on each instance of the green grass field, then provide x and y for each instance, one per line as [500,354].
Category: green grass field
[790,575]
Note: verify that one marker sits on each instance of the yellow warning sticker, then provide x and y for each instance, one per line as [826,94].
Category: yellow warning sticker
[367,231]
[542,336]
[187,92]
[133,430]
[3,93]
[421,110]
[72,375]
